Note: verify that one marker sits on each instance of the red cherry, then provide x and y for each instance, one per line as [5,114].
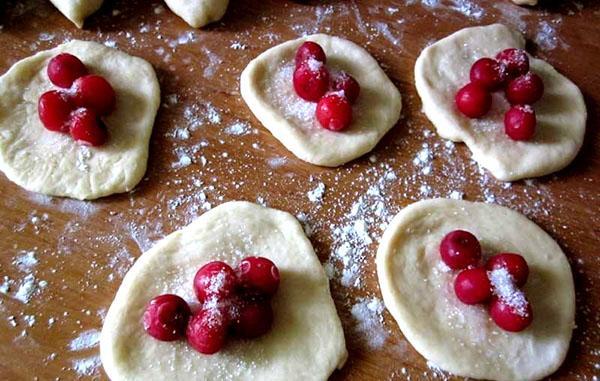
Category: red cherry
[94,92]
[346,83]
[214,279]
[519,122]
[334,112]
[472,286]
[515,264]
[258,275]
[87,129]
[309,50]
[207,330]
[54,109]
[526,89]
[473,100]
[166,317]
[515,61]
[460,249]
[253,318]
[488,73]
[311,80]
[510,318]
[65,68]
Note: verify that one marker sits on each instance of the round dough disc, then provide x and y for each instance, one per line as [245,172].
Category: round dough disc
[443,68]
[306,341]
[266,86]
[77,10]
[198,13]
[418,291]
[53,163]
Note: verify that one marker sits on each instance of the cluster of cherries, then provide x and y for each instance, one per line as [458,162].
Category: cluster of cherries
[497,282]
[76,108]
[335,94]
[509,71]
[232,302]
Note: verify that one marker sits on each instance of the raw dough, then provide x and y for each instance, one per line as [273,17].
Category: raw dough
[53,163]
[77,10]
[443,68]
[305,343]
[266,86]
[198,13]
[525,2]
[418,291]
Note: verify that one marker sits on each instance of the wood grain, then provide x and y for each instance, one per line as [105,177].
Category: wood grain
[83,249]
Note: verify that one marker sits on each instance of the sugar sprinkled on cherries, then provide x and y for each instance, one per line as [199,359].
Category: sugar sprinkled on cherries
[514,60]
[520,122]
[508,318]
[214,279]
[346,83]
[488,73]
[166,317]
[525,89]
[334,112]
[310,50]
[515,264]
[460,249]
[311,80]
[207,330]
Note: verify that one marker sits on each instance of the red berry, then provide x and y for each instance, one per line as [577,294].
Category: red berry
[309,50]
[473,100]
[258,275]
[472,286]
[519,122]
[488,73]
[515,61]
[207,330]
[94,92]
[166,317]
[460,249]
[311,80]
[252,318]
[515,264]
[214,279]
[526,89]
[87,129]
[54,109]
[510,318]
[65,68]
[334,112]
[346,83]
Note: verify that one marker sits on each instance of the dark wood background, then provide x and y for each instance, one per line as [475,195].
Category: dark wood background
[83,249]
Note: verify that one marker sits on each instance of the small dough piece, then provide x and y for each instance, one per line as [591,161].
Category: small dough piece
[198,13]
[525,2]
[267,87]
[53,163]
[443,68]
[77,10]
[306,341]
[418,291]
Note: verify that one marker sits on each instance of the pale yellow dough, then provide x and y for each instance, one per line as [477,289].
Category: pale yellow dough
[418,291]
[525,2]
[77,10]
[53,163]
[198,13]
[306,341]
[266,86]
[443,68]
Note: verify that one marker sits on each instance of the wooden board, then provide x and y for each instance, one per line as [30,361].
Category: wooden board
[80,250]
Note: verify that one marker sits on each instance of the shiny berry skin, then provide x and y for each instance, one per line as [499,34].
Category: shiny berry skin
[214,279]
[515,264]
[94,92]
[460,249]
[207,330]
[526,89]
[253,318]
[87,129]
[473,100]
[166,317]
[515,61]
[488,73]
[54,110]
[258,275]
[311,80]
[334,112]
[507,317]
[346,83]
[520,122]
[472,286]
[65,68]
[309,50]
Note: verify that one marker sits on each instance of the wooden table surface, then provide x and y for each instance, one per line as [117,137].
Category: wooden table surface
[76,253]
